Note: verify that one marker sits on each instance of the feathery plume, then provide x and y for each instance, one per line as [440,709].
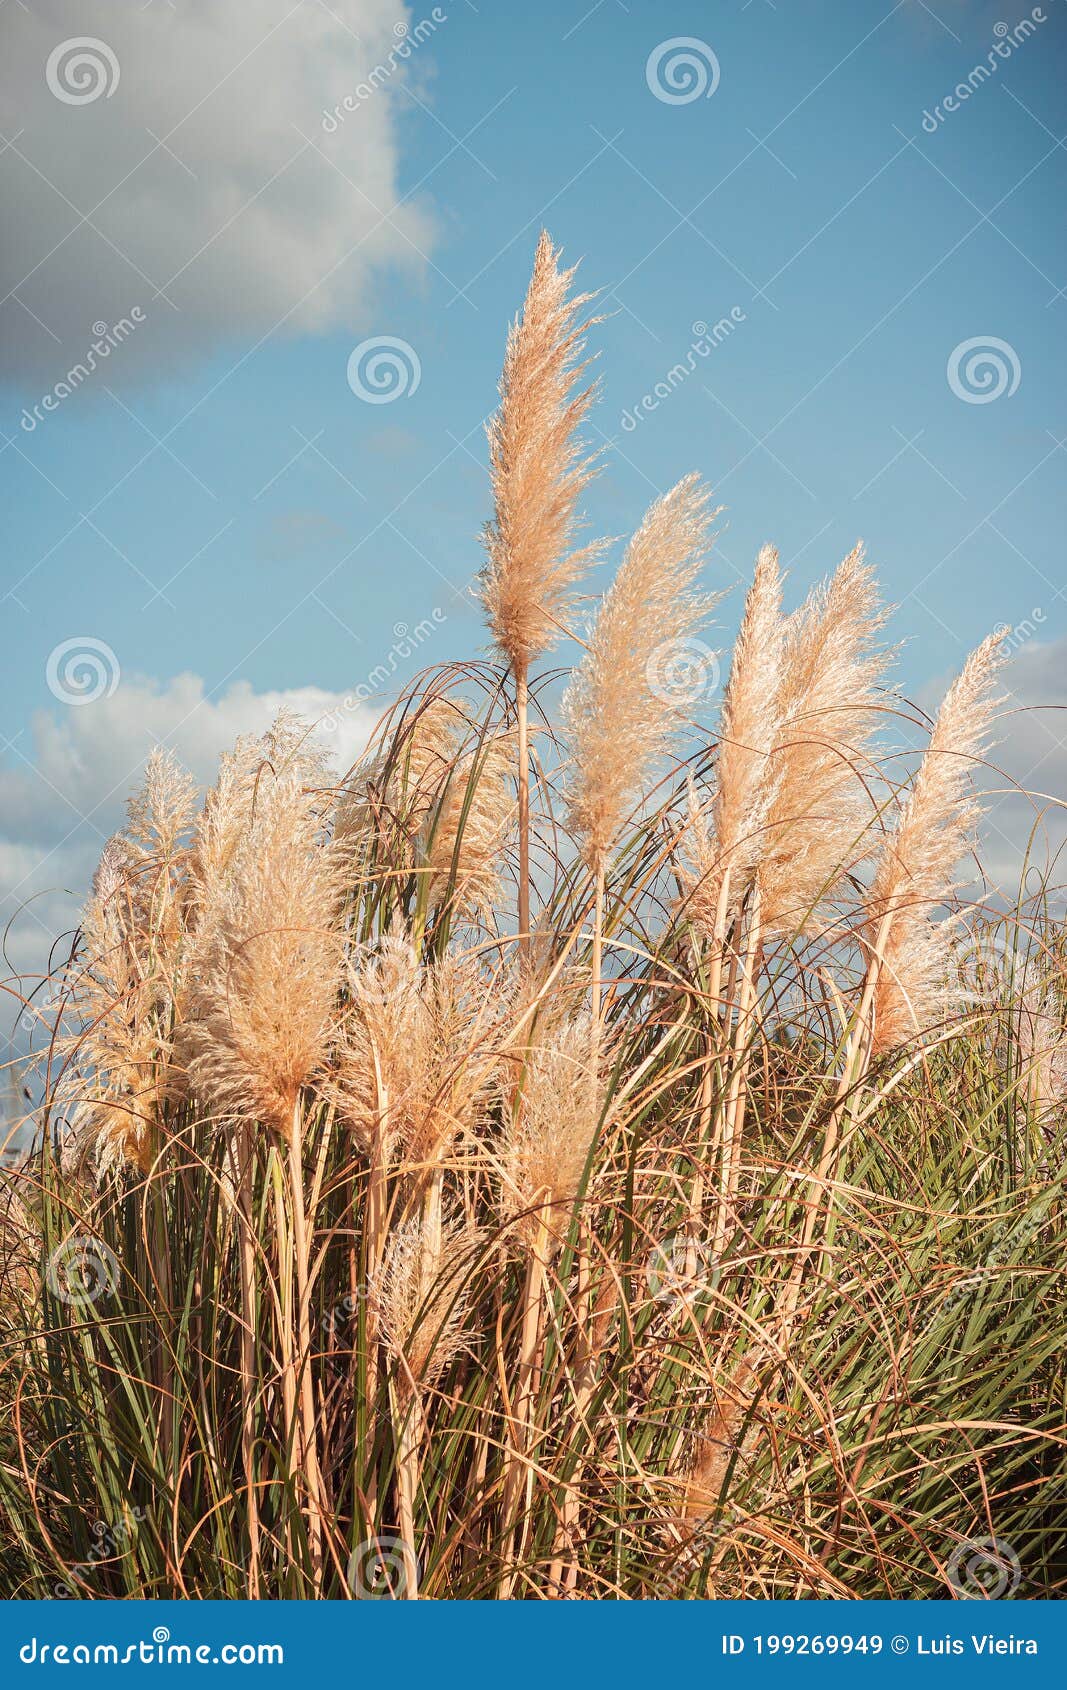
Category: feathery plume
[727,839]
[550,1125]
[382,1046]
[717,1445]
[160,814]
[286,749]
[1042,1048]
[417,1052]
[465,1009]
[267,970]
[618,714]
[539,468]
[110,872]
[221,826]
[422,1293]
[916,870]
[125,991]
[441,804]
[818,824]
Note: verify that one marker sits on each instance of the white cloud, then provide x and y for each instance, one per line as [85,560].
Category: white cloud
[65,794]
[241,222]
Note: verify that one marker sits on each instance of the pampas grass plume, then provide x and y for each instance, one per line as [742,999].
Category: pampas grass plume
[538,467]
[916,870]
[818,824]
[730,841]
[617,713]
[550,1125]
[267,972]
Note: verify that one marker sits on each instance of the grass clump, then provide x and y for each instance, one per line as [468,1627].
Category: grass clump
[644,1179]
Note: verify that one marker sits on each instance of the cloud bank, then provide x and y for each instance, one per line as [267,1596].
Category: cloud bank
[175,159]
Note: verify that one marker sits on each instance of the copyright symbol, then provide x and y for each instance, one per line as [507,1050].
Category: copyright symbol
[899,1645]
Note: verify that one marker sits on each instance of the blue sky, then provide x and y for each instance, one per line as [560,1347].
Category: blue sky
[231,510]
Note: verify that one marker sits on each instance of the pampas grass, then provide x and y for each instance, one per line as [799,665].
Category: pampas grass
[121,1008]
[905,987]
[551,1121]
[539,470]
[728,842]
[831,704]
[617,717]
[362,1228]
[916,870]
[266,966]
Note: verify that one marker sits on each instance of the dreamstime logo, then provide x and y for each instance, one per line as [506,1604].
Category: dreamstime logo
[1014,636]
[406,641]
[1007,40]
[681,1269]
[111,1541]
[334,1323]
[408,37]
[108,336]
[378,1570]
[81,69]
[81,1271]
[159,1651]
[379,977]
[682,70]
[82,670]
[984,1570]
[982,369]
[704,342]
[682,673]
[384,368]
[985,964]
